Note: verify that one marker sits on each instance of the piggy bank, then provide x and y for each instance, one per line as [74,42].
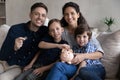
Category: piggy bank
[67,55]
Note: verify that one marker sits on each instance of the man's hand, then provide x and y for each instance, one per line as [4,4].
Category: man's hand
[39,71]
[19,42]
[27,67]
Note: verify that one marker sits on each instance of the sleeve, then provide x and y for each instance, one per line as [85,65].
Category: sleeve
[97,44]
[47,38]
[8,44]
[65,42]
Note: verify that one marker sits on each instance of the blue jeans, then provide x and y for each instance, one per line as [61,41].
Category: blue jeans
[94,72]
[61,71]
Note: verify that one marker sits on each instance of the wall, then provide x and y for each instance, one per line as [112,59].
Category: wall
[93,10]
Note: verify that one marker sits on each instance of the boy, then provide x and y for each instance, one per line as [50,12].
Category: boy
[47,57]
[82,36]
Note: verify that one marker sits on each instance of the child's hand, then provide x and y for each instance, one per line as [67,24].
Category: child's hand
[64,46]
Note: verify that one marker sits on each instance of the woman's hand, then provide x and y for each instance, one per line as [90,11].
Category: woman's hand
[78,58]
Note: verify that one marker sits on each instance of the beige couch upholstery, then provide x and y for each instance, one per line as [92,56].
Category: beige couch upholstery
[3,32]
[5,70]
[110,43]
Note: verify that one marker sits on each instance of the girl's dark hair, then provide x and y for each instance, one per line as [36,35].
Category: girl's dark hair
[81,19]
[54,20]
[40,4]
[81,29]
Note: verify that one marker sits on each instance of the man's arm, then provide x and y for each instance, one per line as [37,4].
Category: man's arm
[32,62]
[43,68]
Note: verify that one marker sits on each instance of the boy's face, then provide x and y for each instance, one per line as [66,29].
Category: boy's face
[38,16]
[82,39]
[55,30]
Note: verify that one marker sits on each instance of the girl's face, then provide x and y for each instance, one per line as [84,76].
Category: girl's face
[38,16]
[71,16]
[55,30]
[82,39]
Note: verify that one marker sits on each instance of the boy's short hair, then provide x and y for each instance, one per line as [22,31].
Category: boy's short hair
[81,29]
[39,4]
[54,20]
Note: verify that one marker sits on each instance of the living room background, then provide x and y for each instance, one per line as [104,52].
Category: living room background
[93,10]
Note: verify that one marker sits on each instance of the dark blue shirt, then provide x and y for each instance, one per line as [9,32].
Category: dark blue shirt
[30,46]
[48,56]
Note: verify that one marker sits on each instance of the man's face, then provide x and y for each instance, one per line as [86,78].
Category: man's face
[38,16]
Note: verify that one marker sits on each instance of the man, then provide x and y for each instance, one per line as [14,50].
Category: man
[21,43]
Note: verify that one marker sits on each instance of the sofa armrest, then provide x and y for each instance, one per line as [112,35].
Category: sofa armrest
[3,32]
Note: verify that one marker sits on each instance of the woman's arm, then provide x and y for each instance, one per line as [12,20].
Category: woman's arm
[94,55]
[43,69]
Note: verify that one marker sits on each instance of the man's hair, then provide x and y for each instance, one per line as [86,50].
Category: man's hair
[40,4]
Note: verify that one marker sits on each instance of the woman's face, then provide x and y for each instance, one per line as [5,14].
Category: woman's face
[71,16]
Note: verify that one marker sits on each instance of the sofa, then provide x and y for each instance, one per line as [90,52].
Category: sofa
[110,43]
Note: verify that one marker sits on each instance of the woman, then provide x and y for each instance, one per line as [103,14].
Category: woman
[72,17]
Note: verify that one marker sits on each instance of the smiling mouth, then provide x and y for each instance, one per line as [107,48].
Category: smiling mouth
[56,35]
[39,21]
[81,43]
[70,20]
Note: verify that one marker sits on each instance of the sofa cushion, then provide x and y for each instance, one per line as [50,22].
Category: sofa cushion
[14,70]
[95,32]
[110,43]
[3,32]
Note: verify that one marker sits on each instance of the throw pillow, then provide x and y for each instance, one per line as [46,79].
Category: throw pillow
[94,31]
[111,59]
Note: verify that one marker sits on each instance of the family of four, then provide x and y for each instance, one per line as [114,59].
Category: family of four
[35,49]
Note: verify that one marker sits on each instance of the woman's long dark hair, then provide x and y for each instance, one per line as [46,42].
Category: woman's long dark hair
[81,19]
